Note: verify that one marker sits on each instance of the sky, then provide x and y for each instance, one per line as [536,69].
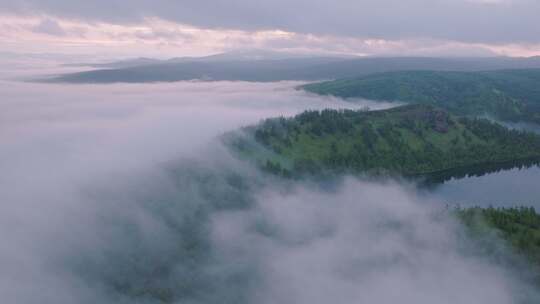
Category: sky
[169,28]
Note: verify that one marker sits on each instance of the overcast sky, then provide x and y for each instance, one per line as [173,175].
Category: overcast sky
[198,27]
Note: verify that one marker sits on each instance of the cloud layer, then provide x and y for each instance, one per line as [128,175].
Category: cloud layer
[88,182]
[155,37]
[476,21]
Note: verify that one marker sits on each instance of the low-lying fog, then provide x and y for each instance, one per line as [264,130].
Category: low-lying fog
[122,194]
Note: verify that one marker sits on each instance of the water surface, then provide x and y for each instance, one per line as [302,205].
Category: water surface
[514,187]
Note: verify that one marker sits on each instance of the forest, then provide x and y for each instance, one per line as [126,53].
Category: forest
[408,140]
[509,95]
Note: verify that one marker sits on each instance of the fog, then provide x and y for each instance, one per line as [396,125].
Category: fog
[123,194]
[365,243]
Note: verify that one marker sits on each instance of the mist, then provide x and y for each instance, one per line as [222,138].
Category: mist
[124,194]
[363,242]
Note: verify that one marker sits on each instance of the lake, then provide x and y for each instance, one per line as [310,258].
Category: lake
[505,188]
[504,185]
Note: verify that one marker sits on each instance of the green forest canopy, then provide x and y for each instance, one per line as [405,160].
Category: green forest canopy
[510,95]
[407,140]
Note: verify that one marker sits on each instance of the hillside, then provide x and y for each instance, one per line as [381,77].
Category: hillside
[511,95]
[275,68]
[408,140]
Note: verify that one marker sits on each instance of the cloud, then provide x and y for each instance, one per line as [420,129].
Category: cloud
[158,38]
[50,27]
[362,242]
[457,20]
[96,190]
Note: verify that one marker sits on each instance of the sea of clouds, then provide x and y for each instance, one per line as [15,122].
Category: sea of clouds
[124,194]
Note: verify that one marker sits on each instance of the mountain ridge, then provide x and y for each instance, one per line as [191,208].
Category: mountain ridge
[298,69]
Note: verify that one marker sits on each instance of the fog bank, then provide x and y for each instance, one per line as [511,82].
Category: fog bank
[122,194]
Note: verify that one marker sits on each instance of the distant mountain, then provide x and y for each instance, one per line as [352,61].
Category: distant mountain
[510,95]
[127,63]
[407,140]
[243,70]
[261,54]
[250,67]
[239,55]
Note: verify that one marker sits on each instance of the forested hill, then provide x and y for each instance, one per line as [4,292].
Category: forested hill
[234,68]
[511,95]
[408,140]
